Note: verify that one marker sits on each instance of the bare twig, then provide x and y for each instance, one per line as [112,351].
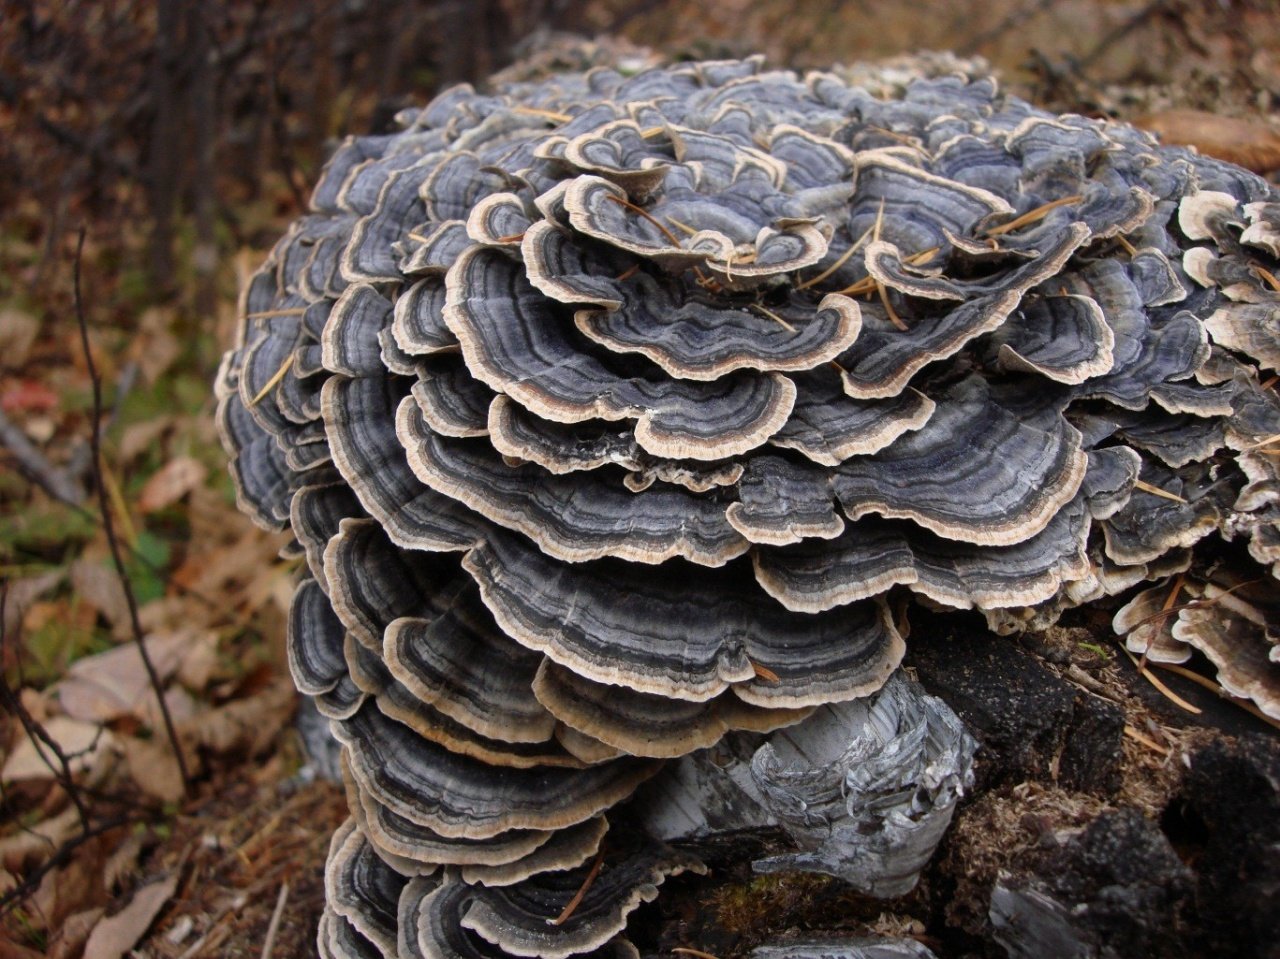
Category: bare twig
[80,462]
[217,931]
[286,161]
[36,467]
[11,95]
[31,882]
[1015,19]
[1119,33]
[274,926]
[580,894]
[38,735]
[108,526]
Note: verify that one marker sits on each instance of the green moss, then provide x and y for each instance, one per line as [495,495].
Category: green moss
[51,532]
[768,902]
[53,646]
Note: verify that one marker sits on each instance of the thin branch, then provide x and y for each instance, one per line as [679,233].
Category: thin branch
[108,525]
[580,894]
[38,735]
[286,161]
[1129,26]
[1015,19]
[31,882]
[33,464]
[274,926]
[11,95]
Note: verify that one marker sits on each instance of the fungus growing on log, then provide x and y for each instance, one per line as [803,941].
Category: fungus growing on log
[607,411]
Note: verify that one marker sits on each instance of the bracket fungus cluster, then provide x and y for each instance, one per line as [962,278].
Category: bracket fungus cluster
[607,411]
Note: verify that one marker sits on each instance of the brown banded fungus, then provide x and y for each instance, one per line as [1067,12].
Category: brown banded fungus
[606,411]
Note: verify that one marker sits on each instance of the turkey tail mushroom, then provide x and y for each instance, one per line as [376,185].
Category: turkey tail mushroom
[606,411]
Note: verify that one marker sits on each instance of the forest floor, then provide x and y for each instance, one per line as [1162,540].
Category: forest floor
[106,845]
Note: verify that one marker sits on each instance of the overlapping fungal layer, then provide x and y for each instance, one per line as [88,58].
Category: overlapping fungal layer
[607,410]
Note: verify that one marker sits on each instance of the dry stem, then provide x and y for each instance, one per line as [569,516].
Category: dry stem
[108,525]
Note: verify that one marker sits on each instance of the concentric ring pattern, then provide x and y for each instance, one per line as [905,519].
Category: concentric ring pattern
[607,410]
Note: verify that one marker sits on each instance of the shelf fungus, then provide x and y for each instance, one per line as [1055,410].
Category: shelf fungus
[612,416]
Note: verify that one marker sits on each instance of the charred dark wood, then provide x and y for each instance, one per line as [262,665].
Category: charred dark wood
[1226,822]
[1115,890]
[1031,723]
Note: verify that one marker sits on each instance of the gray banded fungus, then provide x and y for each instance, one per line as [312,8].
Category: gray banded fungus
[606,411]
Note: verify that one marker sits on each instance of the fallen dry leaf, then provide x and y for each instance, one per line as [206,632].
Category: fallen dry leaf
[40,429]
[137,437]
[12,950]
[23,592]
[167,613]
[115,935]
[156,347]
[215,571]
[114,684]
[182,707]
[199,658]
[122,861]
[70,938]
[98,584]
[248,724]
[28,396]
[81,742]
[152,766]
[30,846]
[171,482]
[1249,143]
[18,330]
[37,703]
[74,887]
[58,614]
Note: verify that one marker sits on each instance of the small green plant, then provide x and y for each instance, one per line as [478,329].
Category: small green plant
[1101,652]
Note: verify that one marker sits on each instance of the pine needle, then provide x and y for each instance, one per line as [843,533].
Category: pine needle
[1031,216]
[1203,603]
[765,673]
[1164,690]
[1169,601]
[879,287]
[893,314]
[1157,491]
[844,258]
[638,211]
[1140,737]
[1213,687]
[1269,441]
[578,896]
[268,314]
[1266,275]
[773,316]
[545,114]
[865,285]
[127,531]
[681,226]
[273,926]
[276,377]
